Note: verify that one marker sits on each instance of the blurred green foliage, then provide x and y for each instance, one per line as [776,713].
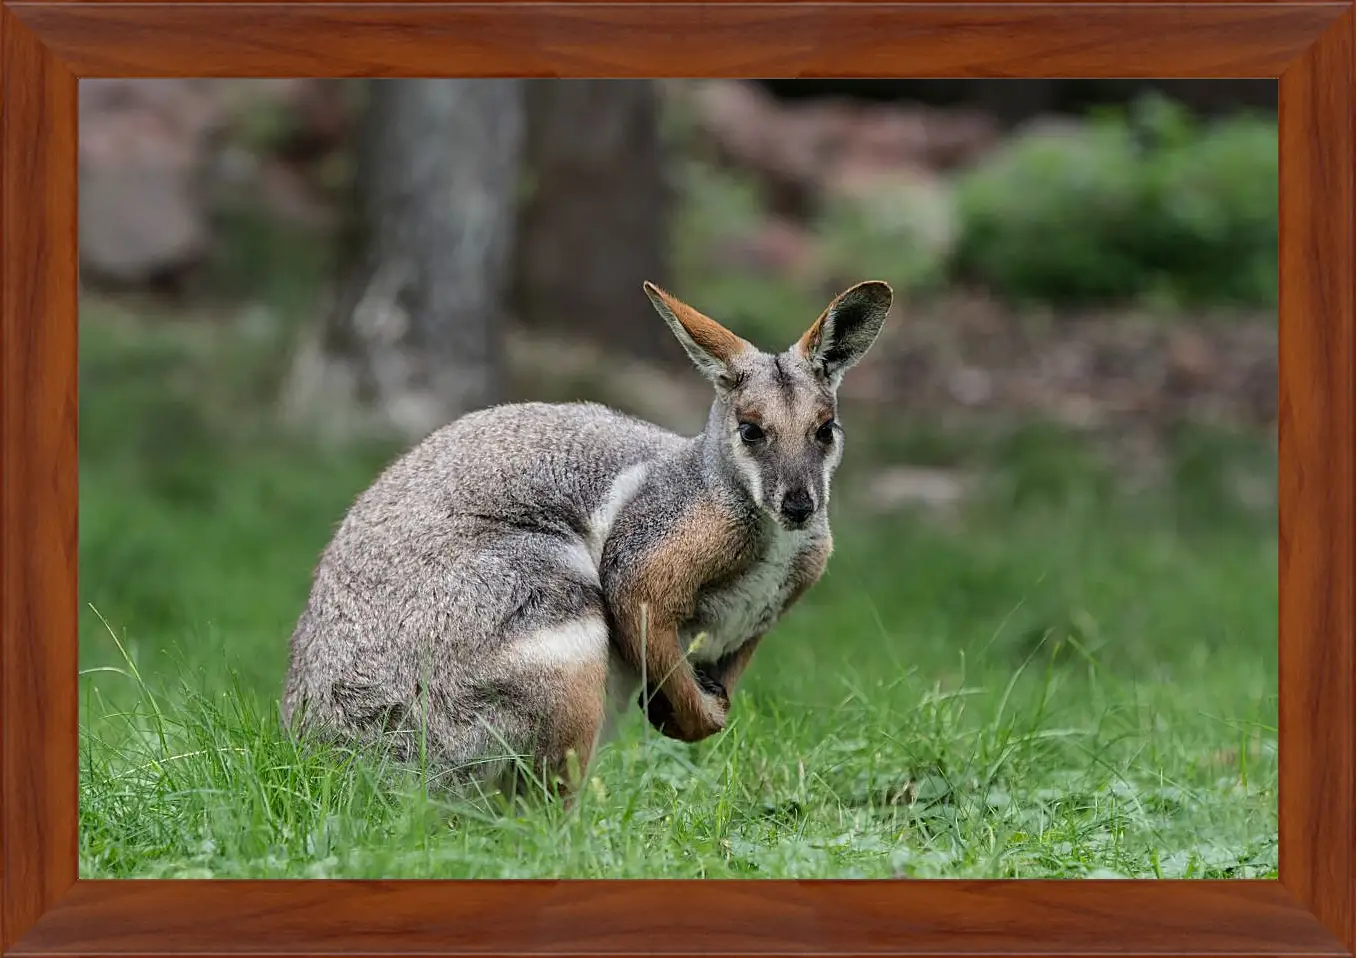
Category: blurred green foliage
[1146,203]
[904,233]
[714,205]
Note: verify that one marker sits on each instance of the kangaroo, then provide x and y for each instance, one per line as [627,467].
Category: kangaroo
[505,590]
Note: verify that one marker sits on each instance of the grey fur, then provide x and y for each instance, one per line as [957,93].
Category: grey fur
[487,536]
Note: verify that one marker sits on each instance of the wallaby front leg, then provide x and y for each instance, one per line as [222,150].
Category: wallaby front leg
[674,701]
[655,588]
[714,679]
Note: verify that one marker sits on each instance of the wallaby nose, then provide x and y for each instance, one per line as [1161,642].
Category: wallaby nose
[797,506]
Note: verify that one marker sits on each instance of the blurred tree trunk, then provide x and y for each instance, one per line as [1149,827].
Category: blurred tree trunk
[413,337]
[594,226]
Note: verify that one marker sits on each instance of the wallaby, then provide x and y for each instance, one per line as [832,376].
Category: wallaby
[513,583]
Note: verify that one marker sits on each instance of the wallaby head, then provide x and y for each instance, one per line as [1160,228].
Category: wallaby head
[774,416]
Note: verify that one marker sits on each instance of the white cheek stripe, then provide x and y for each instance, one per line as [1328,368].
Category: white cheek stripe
[830,465]
[749,470]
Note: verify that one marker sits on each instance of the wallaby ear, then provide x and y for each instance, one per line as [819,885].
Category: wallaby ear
[710,345]
[846,330]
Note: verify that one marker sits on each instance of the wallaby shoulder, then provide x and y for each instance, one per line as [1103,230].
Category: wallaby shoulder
[675,536]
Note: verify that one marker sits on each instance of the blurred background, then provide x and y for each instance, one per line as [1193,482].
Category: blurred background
[1062,449]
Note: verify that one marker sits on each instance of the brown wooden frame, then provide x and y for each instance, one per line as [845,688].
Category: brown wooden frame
[45,47]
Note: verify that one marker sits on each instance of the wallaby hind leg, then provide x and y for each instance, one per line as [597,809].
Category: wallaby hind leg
[562,685]
[578,722]
[471,744]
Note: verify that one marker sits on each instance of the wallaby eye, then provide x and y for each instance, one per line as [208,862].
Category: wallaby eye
[825,433]
[750,433]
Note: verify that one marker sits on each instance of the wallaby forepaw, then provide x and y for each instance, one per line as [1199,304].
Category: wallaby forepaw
[712,686]
[710,719]
[662,717]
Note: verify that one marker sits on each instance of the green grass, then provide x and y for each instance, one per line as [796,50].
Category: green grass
[1063,679]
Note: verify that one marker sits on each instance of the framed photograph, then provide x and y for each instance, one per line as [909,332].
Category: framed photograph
[416,415]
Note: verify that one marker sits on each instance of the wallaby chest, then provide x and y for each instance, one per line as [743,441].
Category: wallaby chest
[749,601]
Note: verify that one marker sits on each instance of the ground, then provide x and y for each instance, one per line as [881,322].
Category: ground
[1059,674]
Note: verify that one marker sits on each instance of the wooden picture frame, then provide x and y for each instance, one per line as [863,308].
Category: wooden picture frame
[48,46]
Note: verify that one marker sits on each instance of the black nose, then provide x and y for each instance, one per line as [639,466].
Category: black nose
[797,506]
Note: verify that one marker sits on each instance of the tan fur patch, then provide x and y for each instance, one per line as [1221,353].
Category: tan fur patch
[768,408]
[578,719]
[707,545]
[706,332]
[802,416]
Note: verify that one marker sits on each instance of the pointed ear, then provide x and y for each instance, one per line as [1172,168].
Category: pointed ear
[708,344]
[846,330]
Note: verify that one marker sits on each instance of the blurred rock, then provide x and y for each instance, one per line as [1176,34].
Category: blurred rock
[1189,358]
[143,144]
[910,134]
[155,156]
[957,138]
[886,135]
